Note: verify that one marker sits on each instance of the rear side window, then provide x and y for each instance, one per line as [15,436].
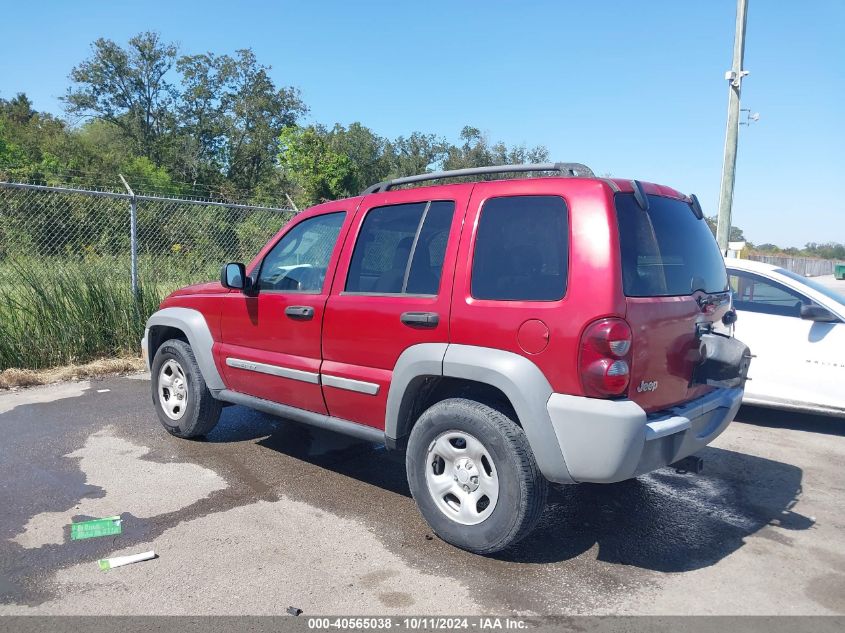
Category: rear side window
[521,249]
[666,251]
[400,249]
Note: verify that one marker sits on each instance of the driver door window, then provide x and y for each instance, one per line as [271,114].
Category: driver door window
[298,261]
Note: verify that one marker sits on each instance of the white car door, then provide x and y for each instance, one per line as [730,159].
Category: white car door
[797,361]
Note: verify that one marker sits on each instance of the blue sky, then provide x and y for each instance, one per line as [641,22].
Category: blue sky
[635,89]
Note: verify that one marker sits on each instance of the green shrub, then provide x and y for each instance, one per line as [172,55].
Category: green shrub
[59,311]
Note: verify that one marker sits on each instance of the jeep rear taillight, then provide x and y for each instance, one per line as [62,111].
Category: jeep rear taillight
[605,358]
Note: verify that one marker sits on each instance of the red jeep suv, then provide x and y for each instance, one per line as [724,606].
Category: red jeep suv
[504,334]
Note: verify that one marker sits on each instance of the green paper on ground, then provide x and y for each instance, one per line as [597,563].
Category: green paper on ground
[94,528]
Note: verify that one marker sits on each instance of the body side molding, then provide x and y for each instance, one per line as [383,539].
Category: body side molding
[360,386]
[193,324]
[274,370]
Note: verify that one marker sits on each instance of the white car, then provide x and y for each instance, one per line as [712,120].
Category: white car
[795,328]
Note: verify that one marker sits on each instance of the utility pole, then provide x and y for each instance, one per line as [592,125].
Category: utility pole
[734,76]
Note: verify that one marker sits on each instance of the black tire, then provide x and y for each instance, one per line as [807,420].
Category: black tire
[522,489]
[202,411]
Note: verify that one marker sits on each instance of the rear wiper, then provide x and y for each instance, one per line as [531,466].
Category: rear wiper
[697,285]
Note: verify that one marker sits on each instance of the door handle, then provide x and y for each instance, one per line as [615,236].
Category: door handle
[300,313]
[420,319]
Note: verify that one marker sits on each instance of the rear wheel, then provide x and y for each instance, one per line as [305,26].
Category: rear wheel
[182,400]
[473,476]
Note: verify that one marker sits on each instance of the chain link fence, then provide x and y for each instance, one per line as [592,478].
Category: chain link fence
[81,270]
[186,240]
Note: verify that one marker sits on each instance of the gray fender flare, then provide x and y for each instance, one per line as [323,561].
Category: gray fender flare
[516,376]
[424,359]
[528,391]
[193,324]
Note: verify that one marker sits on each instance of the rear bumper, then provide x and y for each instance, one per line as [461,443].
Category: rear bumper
[612,440]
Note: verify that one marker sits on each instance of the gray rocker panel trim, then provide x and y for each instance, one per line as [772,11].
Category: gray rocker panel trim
[361,431]
[193,324]
[528,391]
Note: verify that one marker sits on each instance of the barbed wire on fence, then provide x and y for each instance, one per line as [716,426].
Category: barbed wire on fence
[93,180]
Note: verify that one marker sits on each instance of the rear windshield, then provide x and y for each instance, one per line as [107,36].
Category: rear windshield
[666,251]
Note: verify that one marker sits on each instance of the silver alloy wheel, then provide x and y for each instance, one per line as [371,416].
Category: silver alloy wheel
[461,477]
[172,389]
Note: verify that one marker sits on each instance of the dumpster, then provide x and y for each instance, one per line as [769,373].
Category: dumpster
[839,271]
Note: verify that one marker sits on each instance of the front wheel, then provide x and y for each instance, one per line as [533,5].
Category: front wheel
[473,476]
[183,402]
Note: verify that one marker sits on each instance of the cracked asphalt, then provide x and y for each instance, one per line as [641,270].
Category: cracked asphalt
[267,514]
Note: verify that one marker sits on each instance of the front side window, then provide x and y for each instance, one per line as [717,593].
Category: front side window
[400,249]
[521,249]
[298,261]
[755,294]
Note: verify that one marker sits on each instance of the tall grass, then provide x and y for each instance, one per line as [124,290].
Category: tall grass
[61,311]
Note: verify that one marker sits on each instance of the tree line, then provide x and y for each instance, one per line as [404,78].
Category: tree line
[824,250]
[212,125]
[218,126]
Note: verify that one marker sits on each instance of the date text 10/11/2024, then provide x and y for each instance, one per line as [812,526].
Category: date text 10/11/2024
[417,623]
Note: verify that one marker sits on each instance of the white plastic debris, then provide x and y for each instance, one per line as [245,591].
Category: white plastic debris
[119,561]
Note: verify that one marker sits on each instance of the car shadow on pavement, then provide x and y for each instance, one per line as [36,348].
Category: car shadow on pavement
[663,521]
[668,522]
[796,421]
[336,452]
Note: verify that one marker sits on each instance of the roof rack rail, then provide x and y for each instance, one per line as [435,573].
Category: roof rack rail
[565,169]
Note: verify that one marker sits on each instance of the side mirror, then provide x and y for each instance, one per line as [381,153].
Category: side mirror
[813,312]
[233,275]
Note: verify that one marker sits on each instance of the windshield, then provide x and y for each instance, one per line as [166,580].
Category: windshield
[830,293]
[666,251]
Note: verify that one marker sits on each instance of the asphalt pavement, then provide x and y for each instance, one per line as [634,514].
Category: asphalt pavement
[267,514]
